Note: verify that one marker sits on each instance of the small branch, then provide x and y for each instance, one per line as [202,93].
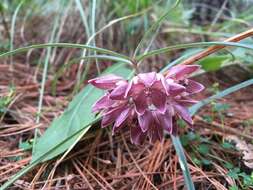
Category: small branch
[135,66]
[216,48]
[223,128]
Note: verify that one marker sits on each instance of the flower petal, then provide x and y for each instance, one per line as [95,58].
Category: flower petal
[161,84]
[180,71]
[159,100]
[102,103]
[137,136]
[183,113]
[193,87]
[110,116]
[122,117]
[140,104]
[147,78]
[119,92]
[145,120]
[165,121]
[175,89]
[105,82]
[155,133]
[165,85]
[186,102]
[134,89]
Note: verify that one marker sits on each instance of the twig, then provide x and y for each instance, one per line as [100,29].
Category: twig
[136,164]
[82,175]
[222,128]
[216,48]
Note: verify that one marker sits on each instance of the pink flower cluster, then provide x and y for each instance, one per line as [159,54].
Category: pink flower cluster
[149,103]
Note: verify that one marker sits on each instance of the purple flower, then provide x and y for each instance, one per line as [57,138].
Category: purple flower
[115,109]
[149,103]
[107,82]
[151,89]
[180,73]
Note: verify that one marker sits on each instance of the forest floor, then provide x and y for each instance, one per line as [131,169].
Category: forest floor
[218,150]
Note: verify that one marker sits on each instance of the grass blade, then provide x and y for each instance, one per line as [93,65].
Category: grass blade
[83,16]
[44,76]
[12,33]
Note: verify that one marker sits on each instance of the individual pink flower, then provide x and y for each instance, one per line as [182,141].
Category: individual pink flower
[114,110]
[107,82]
[151,89]
[180,74]
[152,122]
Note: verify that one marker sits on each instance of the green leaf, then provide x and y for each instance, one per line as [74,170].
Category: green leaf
[203,149]
[234,187]
[206,162]
[234,173]
[193,109]
[64,45]
[192,45]
[183,163]
[227,145]
[46,152]
[229,165]
[185,55]
[26,145]
[77,115]
[213,63]
[220,107]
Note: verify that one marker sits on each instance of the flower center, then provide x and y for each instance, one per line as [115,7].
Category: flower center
[151,107]
[184,82]
[147,91]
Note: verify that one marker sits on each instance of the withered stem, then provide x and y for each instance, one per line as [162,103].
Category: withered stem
[216,48]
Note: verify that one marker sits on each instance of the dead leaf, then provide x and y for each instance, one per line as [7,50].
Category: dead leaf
[246,149]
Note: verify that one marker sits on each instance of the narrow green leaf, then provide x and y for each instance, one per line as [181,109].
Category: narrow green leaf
[83,17]
[64,45]
[13,21]
[193,45]
[180,152]
[183,163]
[193,109]
[74,61]
[180,59]
[45,70]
